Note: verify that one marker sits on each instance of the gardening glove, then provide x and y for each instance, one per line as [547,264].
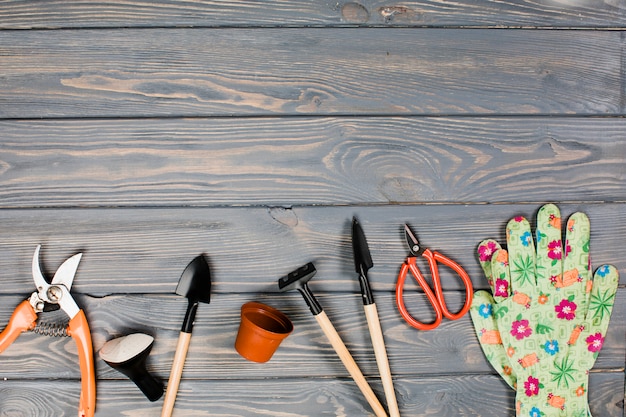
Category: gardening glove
[550,315]
[482,316]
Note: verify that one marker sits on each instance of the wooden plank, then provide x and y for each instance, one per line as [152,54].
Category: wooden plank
[114,14]
[146,250]
[294,161]
[300,71]
[450,349]
[444,396]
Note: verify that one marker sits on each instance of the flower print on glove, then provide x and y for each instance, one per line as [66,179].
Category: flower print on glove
[548,312]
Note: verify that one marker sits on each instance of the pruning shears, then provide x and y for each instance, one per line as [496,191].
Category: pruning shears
[49,297]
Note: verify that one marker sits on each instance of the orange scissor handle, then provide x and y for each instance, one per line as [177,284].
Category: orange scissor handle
[433,259]
[79,330]
[436,297]
[409,264]
[23,318]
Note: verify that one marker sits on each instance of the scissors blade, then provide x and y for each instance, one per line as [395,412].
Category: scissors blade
[40,280]
[411,240]
[362,257]
[66,272]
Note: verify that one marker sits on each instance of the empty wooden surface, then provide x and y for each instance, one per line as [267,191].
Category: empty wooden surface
[288,71]
[144,134]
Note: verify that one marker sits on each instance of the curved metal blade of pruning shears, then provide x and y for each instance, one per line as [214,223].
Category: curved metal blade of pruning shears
[67,271]
[40,281]
[63,276]
[57,293]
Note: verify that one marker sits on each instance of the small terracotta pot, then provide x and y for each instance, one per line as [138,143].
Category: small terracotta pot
[261,330]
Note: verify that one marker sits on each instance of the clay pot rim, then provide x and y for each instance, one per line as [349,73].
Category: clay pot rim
[277,315]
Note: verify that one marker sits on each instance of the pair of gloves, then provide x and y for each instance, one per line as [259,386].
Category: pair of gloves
[543,324]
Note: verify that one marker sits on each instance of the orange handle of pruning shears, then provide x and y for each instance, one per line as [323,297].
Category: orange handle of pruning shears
[79,330]
[435,298]
[23,318]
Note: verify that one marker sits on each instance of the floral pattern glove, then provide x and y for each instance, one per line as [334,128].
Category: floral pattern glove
[547,316]
[483,318]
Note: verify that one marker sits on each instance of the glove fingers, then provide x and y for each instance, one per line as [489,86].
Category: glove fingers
[482,314]
[550,252]
[486,249]
[501,287]
[521,256]
[576,268]
[601,300]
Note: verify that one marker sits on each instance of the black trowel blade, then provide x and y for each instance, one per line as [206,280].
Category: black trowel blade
[195,282]
[361,251]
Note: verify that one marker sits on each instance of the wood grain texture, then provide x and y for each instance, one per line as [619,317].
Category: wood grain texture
[464,395]
[249,249]
[298,13]
[296,161]
[144,134]
[210,72]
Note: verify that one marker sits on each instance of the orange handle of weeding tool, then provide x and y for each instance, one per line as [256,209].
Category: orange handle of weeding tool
[23,318]
[79,330]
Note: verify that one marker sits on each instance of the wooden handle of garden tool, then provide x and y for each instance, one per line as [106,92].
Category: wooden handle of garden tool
[175,374]
[376,333]
[349,363]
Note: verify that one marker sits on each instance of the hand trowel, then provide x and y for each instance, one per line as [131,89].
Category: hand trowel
[195,285]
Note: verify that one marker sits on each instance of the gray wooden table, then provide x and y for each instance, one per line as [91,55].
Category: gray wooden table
[143,134]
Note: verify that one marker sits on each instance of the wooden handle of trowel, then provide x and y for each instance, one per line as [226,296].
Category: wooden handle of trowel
[175,374]
[376,333]
[349,363]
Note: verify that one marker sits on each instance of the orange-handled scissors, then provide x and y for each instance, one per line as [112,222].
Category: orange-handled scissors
[435,297]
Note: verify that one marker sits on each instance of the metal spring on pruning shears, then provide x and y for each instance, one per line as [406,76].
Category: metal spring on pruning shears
[51,329]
